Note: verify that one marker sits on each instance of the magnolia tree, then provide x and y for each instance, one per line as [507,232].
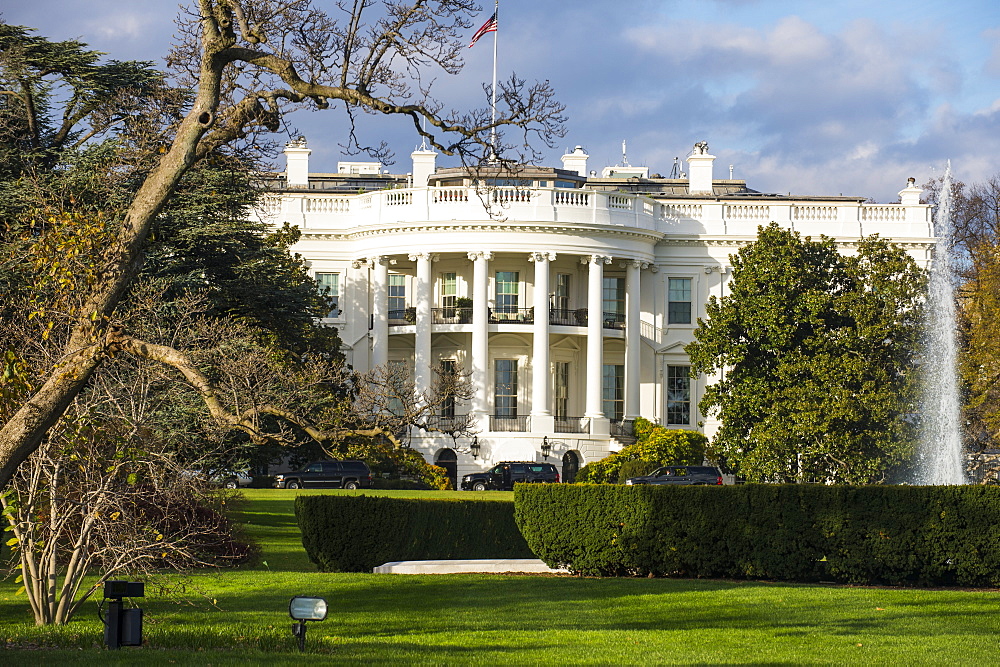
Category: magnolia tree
[245,64]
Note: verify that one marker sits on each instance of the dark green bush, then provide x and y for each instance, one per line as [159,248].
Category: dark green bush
[903,535]
[636,468]
[655,445]
[358,533]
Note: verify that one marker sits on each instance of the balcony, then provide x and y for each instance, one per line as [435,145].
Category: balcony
[509,315]
[510,424]
[568,317]
[623,430]
[452,315]
[572,425]
[448,423]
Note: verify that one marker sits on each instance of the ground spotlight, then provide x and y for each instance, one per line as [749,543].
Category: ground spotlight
[302,609]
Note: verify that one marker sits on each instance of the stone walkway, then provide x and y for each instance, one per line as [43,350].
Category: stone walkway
[494,566]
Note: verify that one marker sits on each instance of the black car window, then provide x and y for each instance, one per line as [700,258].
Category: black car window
[354,466]
[663,472]
[496,470]
[314,467]
[330,468]
[537,468]
[681,472]
[519,468]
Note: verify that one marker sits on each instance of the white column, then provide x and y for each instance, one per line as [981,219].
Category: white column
[480,336]
[595,334]
[633,281]
[422,364]
[380,311]
[541,415]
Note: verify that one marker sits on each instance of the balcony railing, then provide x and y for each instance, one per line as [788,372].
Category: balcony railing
[516,424]
[572,425]
[400,318]
[623,430]
[569,317]
[452,315]
[614,320]
[448,423]
[508,315]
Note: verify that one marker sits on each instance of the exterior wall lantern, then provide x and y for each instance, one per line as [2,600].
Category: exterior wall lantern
[302,609]
[474,447]
[546,448]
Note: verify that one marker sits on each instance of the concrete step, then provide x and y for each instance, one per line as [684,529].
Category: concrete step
[486,566]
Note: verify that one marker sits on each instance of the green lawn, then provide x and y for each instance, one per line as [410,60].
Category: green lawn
[240,617]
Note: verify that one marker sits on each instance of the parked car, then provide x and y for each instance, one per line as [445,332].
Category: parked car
[693,475]
[327,474]
[233,480]
[504,475]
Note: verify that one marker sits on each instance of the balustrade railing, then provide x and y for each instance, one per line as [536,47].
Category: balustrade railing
[623,430]
[400,318]
[572,424]
[448,423]
[614,320]
[568,317]
[452,315]
[508,315]
[510,424]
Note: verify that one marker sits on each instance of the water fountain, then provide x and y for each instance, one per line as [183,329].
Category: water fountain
[940,454]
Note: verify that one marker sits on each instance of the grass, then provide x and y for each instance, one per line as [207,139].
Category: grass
[240,617]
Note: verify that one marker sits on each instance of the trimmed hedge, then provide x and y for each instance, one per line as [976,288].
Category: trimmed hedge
[357,533]
[900,535]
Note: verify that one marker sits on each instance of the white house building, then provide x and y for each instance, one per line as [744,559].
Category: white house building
[583,289]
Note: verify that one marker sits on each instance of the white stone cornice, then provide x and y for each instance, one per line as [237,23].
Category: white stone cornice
[541,257]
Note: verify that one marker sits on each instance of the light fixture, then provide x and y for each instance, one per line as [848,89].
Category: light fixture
[546,448]
[474,447]
[122,627]
[302,609]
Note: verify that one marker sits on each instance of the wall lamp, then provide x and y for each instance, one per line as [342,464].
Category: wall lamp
[474,446]
[302,609]
[546,448]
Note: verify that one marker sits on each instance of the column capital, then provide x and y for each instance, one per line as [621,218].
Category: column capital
[541,257]
[432,256]
[635,264]
[384,260]
[360,262]
[595,259]
[481,254]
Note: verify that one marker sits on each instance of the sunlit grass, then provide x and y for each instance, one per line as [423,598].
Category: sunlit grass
[240,617]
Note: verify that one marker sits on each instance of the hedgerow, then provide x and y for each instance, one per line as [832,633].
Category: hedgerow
[655,445]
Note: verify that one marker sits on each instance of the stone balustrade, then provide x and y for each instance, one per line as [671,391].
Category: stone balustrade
[313,210]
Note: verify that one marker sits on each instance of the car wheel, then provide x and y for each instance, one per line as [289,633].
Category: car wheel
[479,486]
[352,485]
[293,485]
[232,484]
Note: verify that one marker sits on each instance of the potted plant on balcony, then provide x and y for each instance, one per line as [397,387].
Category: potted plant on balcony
[463,305]
[581,317]
[410,314]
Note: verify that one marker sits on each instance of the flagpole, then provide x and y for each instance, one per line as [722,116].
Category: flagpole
[496,33]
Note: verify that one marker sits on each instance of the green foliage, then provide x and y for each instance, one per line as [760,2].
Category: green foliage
[912,535]
[357,533]
[655,446]
[820,355]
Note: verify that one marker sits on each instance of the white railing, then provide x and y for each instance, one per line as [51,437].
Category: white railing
[650,331]
[581,206]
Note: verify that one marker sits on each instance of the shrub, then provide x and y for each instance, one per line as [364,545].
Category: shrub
[899,535]
[357,533]
[635,468]
[655,446]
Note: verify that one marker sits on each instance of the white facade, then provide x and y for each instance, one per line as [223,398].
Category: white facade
[400,259]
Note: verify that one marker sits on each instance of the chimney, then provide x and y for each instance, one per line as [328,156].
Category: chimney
[576,161]
[700,169]
[423,166]
[297,163]
[910,195]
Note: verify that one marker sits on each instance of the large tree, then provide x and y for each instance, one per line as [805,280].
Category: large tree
[814,354]
[247,63]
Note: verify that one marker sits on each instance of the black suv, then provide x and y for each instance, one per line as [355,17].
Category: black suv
[327,474]
[503,476]
[680,475]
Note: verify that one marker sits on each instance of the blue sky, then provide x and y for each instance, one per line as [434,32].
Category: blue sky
[805,97]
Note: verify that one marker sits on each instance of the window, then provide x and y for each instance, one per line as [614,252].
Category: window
[561,393]
[679,301]
[507,292]
[329,286]
[614,299]
[449,291]
[397,296]
[505,387]
[448,372]
[562,292]
[679,395]
[613,392]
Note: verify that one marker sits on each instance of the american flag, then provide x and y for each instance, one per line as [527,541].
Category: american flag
[489,26]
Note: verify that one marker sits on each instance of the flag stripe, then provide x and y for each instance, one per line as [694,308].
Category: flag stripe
[489,26]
